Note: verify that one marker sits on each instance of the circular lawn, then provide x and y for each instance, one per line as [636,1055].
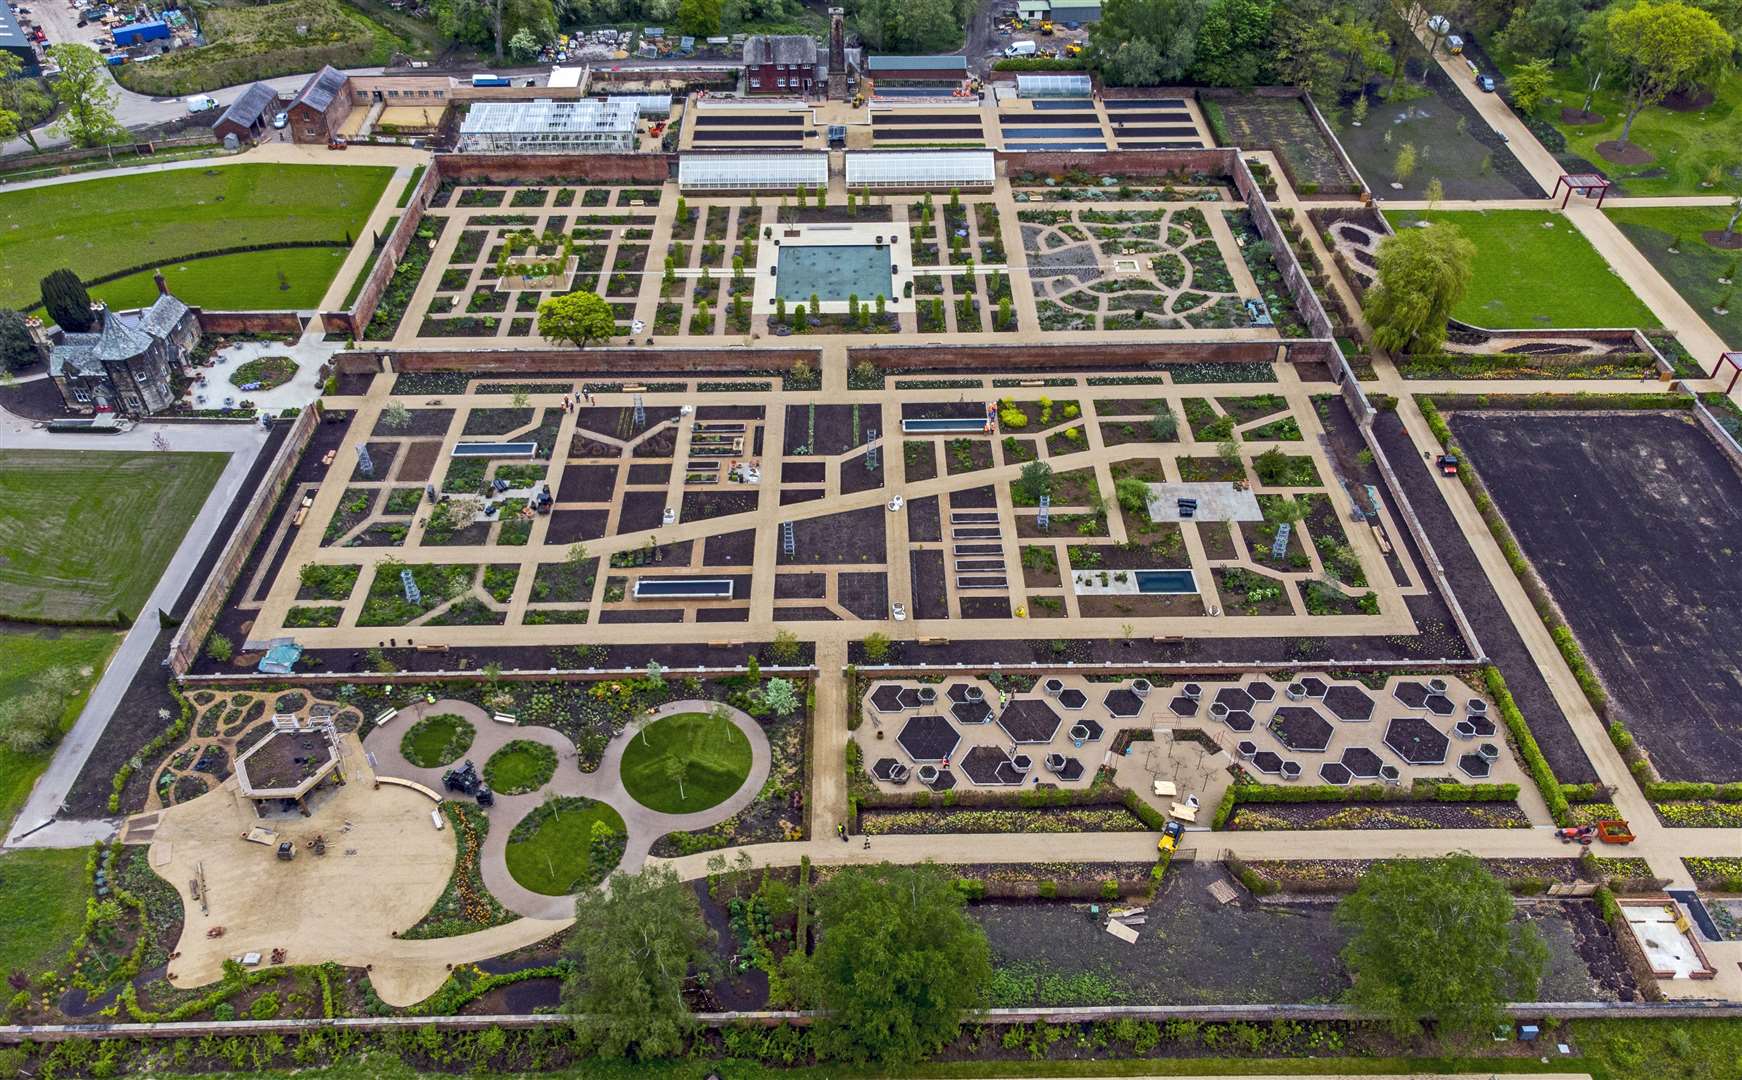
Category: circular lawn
[437,740]
[519,767]
[684,763]
[565,845]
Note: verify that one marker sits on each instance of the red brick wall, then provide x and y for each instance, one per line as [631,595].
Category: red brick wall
[625,168]
[248,322]
[1058,357]
[369,296]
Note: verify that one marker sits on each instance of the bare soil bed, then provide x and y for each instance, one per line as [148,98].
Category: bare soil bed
[1630,521]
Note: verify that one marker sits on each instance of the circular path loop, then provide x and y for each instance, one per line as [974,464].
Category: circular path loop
[605,785]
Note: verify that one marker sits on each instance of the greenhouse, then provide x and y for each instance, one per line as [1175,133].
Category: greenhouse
[549,127]
[920,169]
[1053,86]
[752,172]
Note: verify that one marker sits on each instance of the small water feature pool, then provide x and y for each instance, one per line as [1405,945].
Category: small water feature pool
[1165,582]
[834,272]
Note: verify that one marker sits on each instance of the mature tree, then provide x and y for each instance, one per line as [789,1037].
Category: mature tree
[1546,28]
[1145,42]
[577,318]
[634,943]
[67,302]
[87,93]
[1036,480]
[1436,938]
[524,45]
[1329,54]
[1663,47]
[495,22]
[11,122]
[699,17]
[1422,275]
[909,25]
[18,350]
[1529,84]
[898,965]
[1233,42]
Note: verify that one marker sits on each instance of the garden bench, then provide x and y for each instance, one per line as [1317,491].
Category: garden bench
[504,718]
[386,715]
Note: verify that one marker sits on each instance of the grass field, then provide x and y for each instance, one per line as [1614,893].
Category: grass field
[42,906]
[520,767]
[551,850]
[437,740]
[97,227]
[23,656]
[1696,267]
[1531,276]
[86,532]
[246,282]
[1685,146]
[714,754]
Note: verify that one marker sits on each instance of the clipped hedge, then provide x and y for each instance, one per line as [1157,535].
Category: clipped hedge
[1039,63]
[1659,790]
[1534,762]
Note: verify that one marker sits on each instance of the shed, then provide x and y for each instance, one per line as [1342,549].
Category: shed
[140,32]
[923,68]
[249,116]
[1076,12]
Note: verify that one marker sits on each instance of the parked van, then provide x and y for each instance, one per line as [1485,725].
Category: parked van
[1020,48]
[200,103]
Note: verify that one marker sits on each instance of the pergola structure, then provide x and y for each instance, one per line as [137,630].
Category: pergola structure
[1585,184]
[1734,359]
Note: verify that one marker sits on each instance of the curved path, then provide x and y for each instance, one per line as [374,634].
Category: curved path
[604,785]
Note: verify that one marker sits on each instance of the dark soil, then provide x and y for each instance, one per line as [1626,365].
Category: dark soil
[853,536]
[800,586]
[930,598]
[985,607]
[706,505]
[1718,238]
[588,483]
[1623,517]
[864,595]
[1630,154]
[36,400]
[855,477]
[1580,117]
[570,526]
[641,510]
[789,496]
[647,474]
[805,614]
[1494,629]
[1410,815]
[642,615]
[921,458]
[984,497]
[420,460]
[804,472]
[1688,100]
[423,422]
[923,525]
[729,549]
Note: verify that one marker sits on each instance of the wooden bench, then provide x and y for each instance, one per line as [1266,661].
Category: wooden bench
[421,789]
[386,715]
[504,718]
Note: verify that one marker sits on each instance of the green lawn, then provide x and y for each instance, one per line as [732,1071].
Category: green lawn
[86,532]
[551,850]
[714,754]
[42,906]
[245,282]
[23,655]
[1686,146]
[437,740]
[1531,276]
[97,227]
[520,767]
[1696,268]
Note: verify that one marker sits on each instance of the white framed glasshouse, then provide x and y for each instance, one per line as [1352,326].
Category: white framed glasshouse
[1054,86]
[912,169]
[550,127]
[752,172]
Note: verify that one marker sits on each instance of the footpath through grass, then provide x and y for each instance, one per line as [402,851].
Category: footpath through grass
[84,533]
[100,226]
[1535,271]
[708,753]
[42,906]
[25,654]
[1695,267]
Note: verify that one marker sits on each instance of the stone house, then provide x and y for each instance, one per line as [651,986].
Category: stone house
[127,365]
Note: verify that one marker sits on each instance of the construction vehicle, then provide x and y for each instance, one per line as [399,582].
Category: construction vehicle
[1074,49]
[1046,27]
[1170,834]
[286,851]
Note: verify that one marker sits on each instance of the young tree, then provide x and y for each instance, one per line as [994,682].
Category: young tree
[67,303]
[1435,193]
[1422,274]
[1596,54]
[1662,47]
[1530,83]
[30,722]
[1132,494]
[633,944]
[877,647]
[780,697]
[395,416]
[524,45]
[1036,480]
[577,318]
[1436,938]
[1163,425]
[17,349]
[784,649]
[899,967]
[86,93]
[1404,167]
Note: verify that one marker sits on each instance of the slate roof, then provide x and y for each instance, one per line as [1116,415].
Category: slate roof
[160,319]
[246,110]
[321,89]
[762,49]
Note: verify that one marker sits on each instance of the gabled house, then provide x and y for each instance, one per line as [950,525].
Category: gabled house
[127,365]
[321,106]
[784,64]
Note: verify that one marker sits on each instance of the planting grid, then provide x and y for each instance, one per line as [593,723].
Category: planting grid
[966,547]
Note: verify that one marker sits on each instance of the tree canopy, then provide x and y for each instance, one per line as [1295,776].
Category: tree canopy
[67,302]
[577,318]
[85,91]
[17,349]
[1437,938]
[916,26]
[634,943]
[898,965]
[1659,48]
[1422,275]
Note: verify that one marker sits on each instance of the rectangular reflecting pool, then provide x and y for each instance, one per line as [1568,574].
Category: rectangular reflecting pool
[1165,581]
[684,588]
[833,272]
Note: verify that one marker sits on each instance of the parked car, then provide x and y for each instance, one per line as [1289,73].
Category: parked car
[1485,83]
[280,119]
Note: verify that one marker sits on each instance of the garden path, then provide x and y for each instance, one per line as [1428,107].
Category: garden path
[604,784]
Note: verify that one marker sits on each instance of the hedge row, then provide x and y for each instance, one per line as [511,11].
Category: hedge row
[164,739]
[1534,762]
[118,621]
[1659,790]
[1421,791]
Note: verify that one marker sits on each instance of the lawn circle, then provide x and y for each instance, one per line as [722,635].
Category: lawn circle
[264,372]
[686,762]
[565,845]
[519,767]
[437,740]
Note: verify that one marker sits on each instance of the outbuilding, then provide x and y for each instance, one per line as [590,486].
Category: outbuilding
[249,117]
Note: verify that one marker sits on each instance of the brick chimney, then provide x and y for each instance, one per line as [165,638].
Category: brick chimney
[162,285]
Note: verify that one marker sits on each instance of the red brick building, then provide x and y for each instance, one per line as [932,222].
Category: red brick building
[320,107]
[781,64]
